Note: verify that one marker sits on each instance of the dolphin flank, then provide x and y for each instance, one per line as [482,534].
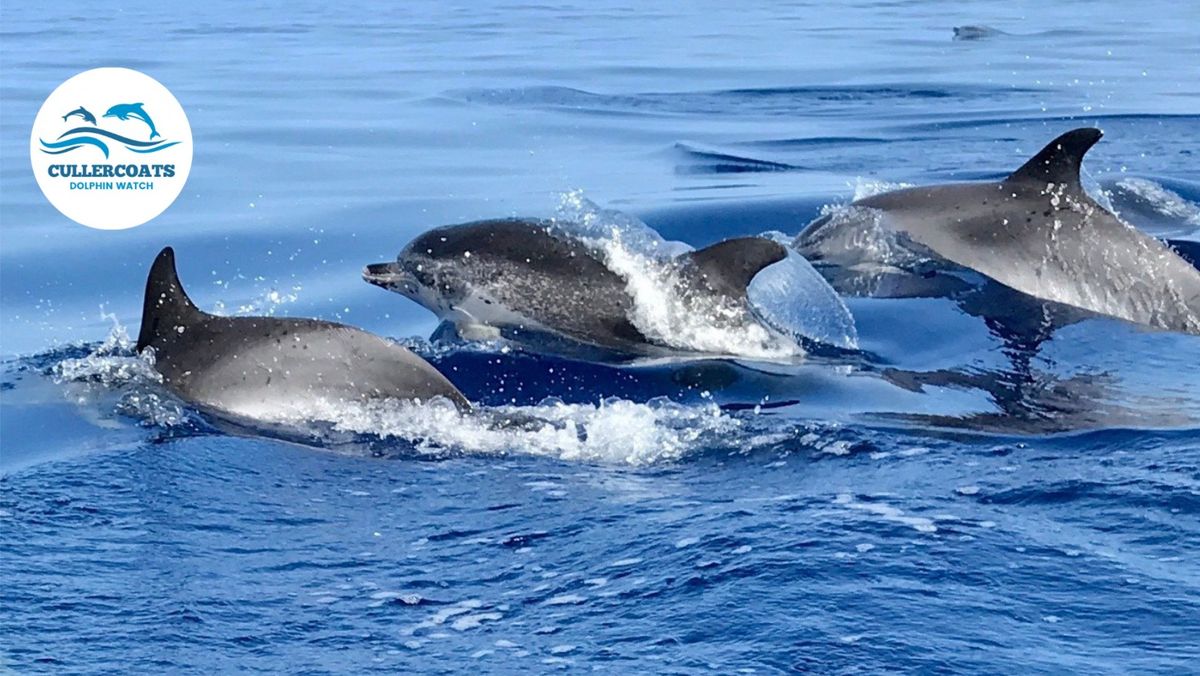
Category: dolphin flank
[1036,231]
[258,367]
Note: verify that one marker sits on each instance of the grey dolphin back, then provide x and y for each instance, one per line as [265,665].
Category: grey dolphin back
[728,267]
[1143,280]
[257,366]
[1060,161]
[1040,233]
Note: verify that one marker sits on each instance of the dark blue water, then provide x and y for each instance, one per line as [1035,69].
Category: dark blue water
[951,497]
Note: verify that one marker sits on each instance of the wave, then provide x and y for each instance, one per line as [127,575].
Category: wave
[61,147]
[771,101]
[712,161]
[1077,120]
[86,136]
[114,136]
[155,149]
[1144,195]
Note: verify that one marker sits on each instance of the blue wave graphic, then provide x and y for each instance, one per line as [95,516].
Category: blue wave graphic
[104,132]
[81,136]
[155,149]
[73,143]
[65,150]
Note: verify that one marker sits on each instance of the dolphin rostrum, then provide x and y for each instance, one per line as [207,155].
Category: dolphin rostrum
[1036,231]
[124,111]
[252,367]
[83,113]
[520,279]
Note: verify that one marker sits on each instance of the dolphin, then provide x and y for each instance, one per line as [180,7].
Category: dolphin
[255,367]
[124,111]
[977,32]
[521,279]
[83,114]
[1036,231]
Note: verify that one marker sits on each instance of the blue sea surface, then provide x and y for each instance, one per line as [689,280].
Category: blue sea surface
[947,498]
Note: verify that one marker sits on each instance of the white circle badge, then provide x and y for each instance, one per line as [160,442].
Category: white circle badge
[111,148]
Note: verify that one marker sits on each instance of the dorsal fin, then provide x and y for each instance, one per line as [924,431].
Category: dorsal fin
[166,305]
[1060,160]
[728,267]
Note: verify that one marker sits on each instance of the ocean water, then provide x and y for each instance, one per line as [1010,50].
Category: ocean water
[947,497]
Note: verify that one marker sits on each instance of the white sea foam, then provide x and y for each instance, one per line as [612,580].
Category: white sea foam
[111,363]
[887,512]
[460,617]
[612,431]
[113,370]
[867,187]
[472,621]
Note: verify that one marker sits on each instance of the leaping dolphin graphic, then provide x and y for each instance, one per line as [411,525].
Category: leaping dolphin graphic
[83,114]
[124,111]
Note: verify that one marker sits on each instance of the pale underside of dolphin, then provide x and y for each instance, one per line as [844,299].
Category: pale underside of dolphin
[1038,232]
[518,276]
[265,368]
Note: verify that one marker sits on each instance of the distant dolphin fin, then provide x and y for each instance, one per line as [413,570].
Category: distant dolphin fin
[1059,162]
[728,267]
[166,305]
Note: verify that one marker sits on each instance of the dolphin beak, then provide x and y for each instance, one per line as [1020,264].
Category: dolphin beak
[388,276]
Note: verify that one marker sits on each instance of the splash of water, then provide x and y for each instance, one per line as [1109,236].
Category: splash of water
[112,369]
[1162,200]
[790,298]
[580,218]
[691,321]
[793,297]
[866,187]
[613,431]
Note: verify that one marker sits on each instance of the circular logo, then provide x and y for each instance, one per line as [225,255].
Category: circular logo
[111,148]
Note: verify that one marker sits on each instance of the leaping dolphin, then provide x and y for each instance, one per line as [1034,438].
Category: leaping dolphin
[124,111]
[1036,231]
[83,114]
[255,367]
[520,280]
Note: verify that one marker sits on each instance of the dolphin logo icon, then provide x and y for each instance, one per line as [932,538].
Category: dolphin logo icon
[124,111]
[83,114]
